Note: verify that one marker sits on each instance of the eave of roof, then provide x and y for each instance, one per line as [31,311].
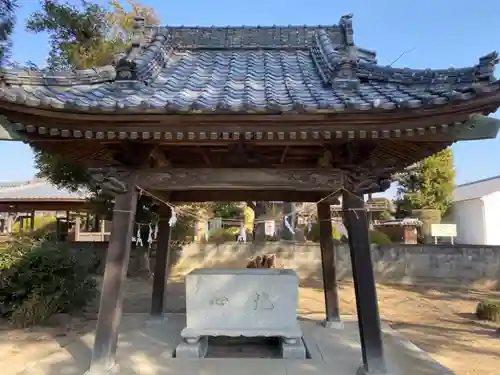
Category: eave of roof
[477,127]
[38,190]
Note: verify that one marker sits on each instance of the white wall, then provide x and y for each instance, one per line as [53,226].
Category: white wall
[470,219]
[492,218]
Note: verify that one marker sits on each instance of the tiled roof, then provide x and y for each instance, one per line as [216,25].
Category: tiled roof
[38,189]
[248,70]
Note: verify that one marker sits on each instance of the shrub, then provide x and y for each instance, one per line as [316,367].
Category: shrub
[379,238]
[39,277]
[488,310]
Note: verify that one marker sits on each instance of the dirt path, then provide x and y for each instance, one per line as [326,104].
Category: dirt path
[438,320]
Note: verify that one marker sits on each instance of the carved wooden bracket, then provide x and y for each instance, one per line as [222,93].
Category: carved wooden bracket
[111,181]
[364,180]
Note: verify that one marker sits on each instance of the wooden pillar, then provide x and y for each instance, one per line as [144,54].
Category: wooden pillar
[96,223]
[84,221]
[115,275]
[78,223]
[162,259]
[67,234]
[10,221]
[102,228]
[21,224]
[364,284]
[58,229]
[32,220]
[328,266]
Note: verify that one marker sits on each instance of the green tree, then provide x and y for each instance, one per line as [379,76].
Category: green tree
[7,21]
[429,184]
[83,37]
[87,36]
[80,38]
[227,210]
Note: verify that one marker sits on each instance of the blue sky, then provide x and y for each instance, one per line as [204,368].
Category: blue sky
[441,33]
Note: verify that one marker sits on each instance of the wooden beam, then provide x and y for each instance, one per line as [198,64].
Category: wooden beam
[249,196]
[229,179]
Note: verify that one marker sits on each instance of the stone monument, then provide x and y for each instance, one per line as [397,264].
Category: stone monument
[249,302]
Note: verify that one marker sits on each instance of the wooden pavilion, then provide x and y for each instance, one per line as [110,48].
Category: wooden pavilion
[25,200]
[248,113]
[39,195]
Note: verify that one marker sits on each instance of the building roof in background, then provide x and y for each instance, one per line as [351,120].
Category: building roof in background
[476,189]
[38,189]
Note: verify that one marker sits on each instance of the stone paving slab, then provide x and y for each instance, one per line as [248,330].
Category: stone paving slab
[147,349]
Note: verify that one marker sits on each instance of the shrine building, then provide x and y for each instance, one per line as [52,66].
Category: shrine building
[293,114]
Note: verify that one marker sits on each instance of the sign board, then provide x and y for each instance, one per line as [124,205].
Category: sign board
[443,230]
[270,227]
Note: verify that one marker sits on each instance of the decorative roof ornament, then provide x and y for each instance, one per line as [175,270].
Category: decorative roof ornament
[338,61]
[138,31]
[126,69]
[486,66]
[346,29]
[345,76]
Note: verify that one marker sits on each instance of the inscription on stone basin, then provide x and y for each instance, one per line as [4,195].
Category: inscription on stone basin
[241,302]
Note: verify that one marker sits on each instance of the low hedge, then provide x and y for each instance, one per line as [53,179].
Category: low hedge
[40,277]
